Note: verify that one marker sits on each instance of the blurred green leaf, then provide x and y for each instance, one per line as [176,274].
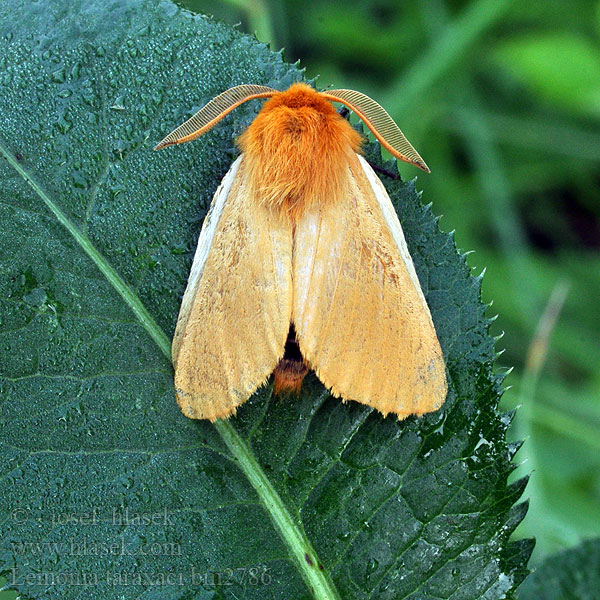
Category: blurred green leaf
[444,53]
[559,67]
[259,19]
[573,574]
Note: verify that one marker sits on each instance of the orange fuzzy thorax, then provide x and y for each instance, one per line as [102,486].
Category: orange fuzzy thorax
[297,151]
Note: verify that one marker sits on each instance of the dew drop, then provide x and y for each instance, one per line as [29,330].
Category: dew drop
[64,125]
[58,76]
[372,566]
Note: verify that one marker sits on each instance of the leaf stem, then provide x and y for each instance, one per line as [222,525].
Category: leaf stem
[291,533]
[320,584]
[536,356]
[101,262]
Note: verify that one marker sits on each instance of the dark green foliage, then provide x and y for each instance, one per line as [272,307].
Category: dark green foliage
[93,225]
[573,574]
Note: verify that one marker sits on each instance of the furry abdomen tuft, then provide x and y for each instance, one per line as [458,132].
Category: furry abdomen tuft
[298,150]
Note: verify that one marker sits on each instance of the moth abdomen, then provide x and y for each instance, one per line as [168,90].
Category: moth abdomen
[291,369]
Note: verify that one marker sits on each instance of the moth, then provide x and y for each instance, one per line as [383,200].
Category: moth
[302,264]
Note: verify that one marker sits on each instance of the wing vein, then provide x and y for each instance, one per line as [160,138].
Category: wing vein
[312,269]
[354,306]
[325,330]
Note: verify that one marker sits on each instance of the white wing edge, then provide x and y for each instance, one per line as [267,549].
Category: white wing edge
[391,218]
[207,234]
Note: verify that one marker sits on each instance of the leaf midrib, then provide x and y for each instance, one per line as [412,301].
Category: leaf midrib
[318,581]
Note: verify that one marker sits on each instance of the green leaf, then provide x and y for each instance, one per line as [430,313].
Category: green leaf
[573,574]
[107,490]
[560,67]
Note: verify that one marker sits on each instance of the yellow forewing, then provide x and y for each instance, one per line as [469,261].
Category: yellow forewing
[361,318]
[236,310]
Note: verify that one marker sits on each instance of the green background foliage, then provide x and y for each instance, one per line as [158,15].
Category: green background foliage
[502,99]
[568,575]
[296,498]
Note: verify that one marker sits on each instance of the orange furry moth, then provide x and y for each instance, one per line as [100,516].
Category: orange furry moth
[302,264]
